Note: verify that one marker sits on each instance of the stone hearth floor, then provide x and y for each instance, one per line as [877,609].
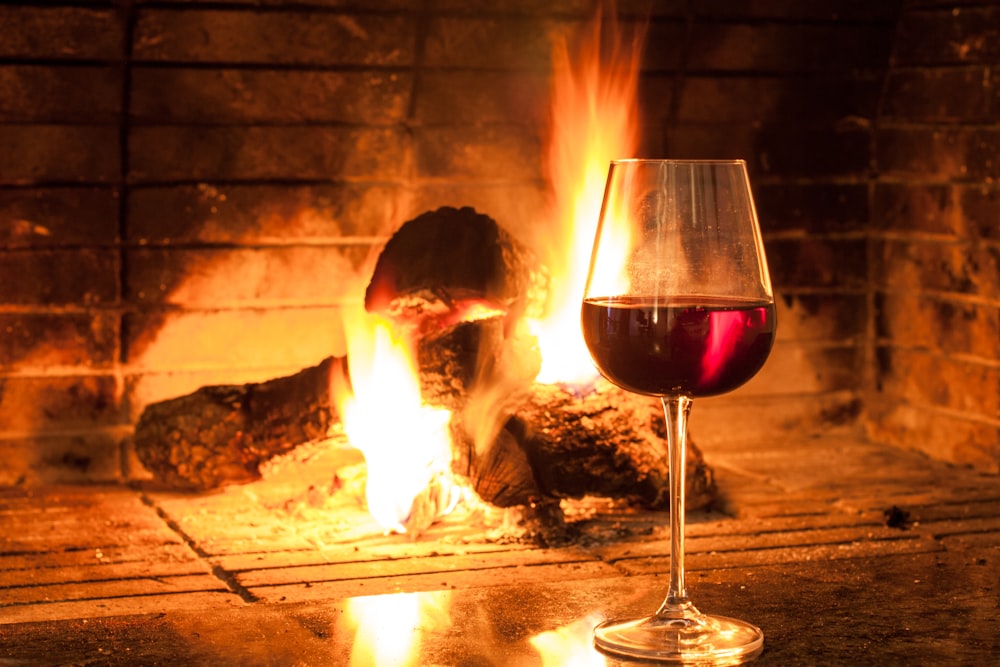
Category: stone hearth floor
[842,551]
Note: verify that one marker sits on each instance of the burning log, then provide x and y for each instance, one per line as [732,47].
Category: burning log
[566,443]
[460,287]
[448,262]
[459,284]
[222,434]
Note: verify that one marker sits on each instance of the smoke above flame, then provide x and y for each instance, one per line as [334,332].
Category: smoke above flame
[594,120]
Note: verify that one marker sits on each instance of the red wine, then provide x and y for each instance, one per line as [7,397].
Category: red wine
[701,346]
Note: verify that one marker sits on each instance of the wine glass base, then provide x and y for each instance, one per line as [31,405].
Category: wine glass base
[687,637]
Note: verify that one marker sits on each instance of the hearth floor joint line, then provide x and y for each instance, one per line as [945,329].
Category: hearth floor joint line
[219,572]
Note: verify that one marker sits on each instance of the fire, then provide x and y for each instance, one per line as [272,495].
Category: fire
[405,443]
[594,120]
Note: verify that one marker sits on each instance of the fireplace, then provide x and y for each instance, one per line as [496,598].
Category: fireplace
[191,193]
[189,190]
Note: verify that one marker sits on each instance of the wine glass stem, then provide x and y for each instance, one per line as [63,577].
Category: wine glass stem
[675,411]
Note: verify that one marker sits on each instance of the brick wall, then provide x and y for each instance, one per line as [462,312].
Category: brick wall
[935,237]
[189,190]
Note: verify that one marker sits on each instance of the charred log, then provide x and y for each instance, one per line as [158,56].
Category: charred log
[458,285]
[465,359]
[441,261]
[222,434]
[567,444]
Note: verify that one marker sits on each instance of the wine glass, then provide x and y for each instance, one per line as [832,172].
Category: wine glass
[678,304]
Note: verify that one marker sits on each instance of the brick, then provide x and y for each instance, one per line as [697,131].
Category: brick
[957,210]
[60,458]
[812,208]
[60,94]
[41,404]
[492,43]
[919,208]
[271,277]
[829,317]
[463,97]
[367,5]
[242,96]
[249,214]
[979,209]
[485,7]
[164,154]
[62,216]
[819,10]
[937,266]
[523,209]
[48,153]
[981,160]
[948,36]
[65,277]
[940,325]
[780,150]
[38,340]
[654,104]
[698,141]
[761,417]
[928,378]
[944,436]
[495,153]
[273,37]
[61,33]
[798,369]
[274,341]
[817,262]
[946,153]
[940,95]
[782,47]
[794,98]
[664,40]
[792,150]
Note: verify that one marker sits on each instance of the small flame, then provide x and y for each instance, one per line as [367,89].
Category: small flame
[594,120]
[405,443]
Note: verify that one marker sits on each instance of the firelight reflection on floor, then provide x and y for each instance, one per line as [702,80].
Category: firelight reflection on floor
[394,629]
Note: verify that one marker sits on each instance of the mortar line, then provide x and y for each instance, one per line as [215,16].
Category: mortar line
[219,572]
[128,19]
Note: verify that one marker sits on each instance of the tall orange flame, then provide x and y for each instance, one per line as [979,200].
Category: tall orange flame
[594,120]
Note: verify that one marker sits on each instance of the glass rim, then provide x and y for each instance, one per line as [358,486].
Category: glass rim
[712,161]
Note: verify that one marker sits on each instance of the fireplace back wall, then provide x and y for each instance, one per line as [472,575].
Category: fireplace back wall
[190,190]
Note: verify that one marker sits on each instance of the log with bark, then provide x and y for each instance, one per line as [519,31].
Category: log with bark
[443,262]
[570,442]
[459,286]
[221,434]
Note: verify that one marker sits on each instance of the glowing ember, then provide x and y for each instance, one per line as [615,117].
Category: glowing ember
[594,120]
[405,443]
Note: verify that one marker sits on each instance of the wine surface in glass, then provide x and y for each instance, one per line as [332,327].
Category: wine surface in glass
[690,346]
